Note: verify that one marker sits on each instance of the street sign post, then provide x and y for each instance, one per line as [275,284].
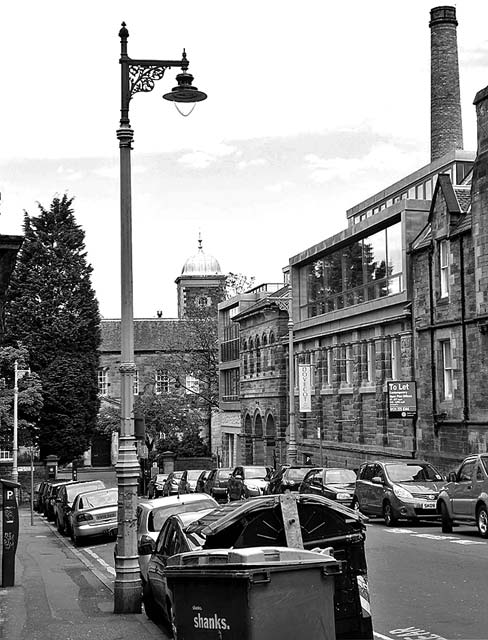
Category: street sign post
[402,399]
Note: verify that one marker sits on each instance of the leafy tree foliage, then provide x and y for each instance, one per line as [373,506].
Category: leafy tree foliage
[236,283]
[51,309]
[29,399]
[173,422]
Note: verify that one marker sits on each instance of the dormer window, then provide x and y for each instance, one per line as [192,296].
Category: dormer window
[444,267]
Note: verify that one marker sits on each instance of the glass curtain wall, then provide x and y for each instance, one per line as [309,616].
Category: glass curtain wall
[364,270]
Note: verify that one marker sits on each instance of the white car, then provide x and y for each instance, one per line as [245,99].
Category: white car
[152,514]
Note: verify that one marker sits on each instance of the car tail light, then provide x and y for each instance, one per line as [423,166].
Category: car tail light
[84,517]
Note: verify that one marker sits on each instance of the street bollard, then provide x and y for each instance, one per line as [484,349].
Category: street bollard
[10,528]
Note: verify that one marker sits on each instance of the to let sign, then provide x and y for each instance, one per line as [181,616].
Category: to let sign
[402,399]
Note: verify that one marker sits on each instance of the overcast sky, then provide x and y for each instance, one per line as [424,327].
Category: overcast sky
[313,106]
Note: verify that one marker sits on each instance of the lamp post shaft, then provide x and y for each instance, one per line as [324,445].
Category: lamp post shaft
[15,445]
[292,442]
[127,586]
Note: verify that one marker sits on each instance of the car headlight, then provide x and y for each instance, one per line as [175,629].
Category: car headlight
[343,496]
[253,487]
[402,493]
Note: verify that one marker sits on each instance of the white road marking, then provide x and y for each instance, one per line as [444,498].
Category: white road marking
[101,561]
[434,536]
[381,636]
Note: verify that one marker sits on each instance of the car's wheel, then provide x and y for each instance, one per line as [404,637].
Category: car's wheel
[77,541]
[446,522]
[482,521]
[388,515]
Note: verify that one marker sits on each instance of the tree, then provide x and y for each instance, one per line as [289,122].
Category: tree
[174,422]
[29,399]
[236,283]
[51,309]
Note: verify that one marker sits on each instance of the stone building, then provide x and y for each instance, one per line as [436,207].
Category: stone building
[253,396]
[159,343]
[450,311]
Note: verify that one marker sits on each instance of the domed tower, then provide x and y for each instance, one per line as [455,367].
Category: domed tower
[201,284]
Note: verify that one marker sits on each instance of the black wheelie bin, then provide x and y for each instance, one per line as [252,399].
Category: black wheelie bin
[258,593]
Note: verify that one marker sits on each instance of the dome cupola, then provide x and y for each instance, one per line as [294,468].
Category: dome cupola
[201,264]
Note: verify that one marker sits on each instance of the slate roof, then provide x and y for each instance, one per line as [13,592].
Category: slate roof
[461,206]
[152,334]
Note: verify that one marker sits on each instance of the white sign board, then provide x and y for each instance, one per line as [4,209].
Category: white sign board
[305,387]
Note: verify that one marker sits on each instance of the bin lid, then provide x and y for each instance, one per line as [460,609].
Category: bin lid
[249,557]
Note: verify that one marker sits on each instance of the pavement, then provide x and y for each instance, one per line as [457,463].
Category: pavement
[60,595]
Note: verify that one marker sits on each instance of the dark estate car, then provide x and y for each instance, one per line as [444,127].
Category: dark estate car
[173,538]
[260,522]
[248,481]
[334,483]
[397,489]
[217,483]
[464,498]
[287,478]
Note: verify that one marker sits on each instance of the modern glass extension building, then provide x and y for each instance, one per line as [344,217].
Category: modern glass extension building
[352,321]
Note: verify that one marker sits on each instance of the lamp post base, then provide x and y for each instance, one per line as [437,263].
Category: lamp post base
[127,585]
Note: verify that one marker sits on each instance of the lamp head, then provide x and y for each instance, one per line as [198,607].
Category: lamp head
[185,92]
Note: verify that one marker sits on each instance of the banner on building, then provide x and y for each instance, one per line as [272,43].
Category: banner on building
[305,387]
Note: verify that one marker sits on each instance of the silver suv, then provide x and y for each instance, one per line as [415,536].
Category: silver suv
[465,497]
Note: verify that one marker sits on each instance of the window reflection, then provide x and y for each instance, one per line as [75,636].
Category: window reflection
[363,270]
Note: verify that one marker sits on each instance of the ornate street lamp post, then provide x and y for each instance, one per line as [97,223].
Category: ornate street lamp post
[137,76]
[286,304]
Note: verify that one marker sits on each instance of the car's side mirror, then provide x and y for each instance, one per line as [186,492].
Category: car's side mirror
[376,480]
[451,476]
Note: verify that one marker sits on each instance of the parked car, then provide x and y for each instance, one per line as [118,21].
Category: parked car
[35,497]
[172,484]
[202,479]
[94,513]
[397,489]
[172,539]
[287,477]
[247,481]
[464,498]
[39,501]
[49,508]
[156,485]
[334,483]
[65,498]
[217,483]
[188,481]
[152,514]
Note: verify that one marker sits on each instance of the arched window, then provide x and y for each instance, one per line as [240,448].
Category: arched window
[271,338]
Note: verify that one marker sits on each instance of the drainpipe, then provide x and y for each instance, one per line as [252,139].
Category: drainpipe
[463,326]
[432,342]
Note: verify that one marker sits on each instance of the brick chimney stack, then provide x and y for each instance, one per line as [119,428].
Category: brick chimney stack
[479,203]
[446,129]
